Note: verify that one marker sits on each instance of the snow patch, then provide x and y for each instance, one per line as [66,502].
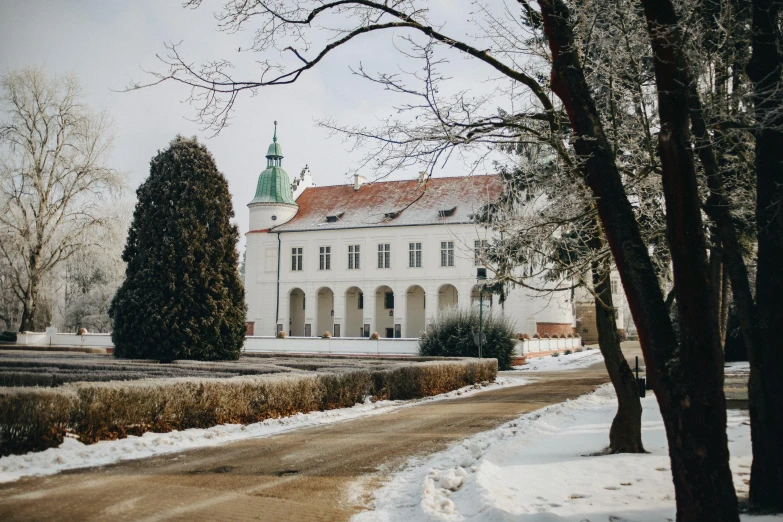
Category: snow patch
[572,361]
[543,467]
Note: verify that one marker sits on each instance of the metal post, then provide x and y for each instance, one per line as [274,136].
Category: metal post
[481,319]
[481,275]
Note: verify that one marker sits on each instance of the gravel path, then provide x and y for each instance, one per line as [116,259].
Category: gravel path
[310,474]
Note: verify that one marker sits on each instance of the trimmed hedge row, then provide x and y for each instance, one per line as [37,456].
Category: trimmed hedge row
[33,419]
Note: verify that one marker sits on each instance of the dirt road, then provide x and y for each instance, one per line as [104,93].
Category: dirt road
[302,475]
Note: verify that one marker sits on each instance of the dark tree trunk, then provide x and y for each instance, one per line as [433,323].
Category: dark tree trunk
[766,384]
[687,381]
[701,442]
[725,301]
[29,303]
[625,435]
[716,274]
[765,430]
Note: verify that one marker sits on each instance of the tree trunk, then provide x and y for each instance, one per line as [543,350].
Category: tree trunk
[29,304]
[764,427]
[766,385]
[716,274]
[725,296]
[687,381]
[701,442]
[625,435]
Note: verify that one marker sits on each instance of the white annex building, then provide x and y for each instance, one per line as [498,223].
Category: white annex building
[382,257]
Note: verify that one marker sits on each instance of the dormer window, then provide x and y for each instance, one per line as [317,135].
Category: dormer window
[335,218]
[447,213]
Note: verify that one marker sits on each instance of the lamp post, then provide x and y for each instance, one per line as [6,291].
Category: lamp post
[481,275]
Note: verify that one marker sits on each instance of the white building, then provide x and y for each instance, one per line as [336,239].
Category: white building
[380,257]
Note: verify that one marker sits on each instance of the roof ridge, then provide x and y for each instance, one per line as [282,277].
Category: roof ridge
[406,180]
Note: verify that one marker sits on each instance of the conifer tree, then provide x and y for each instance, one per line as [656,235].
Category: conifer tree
[182,297]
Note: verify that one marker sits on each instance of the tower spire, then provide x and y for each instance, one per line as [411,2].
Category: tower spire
[274,138]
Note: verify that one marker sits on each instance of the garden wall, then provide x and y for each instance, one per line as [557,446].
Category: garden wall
[548,345]
[315,345]
[335,345]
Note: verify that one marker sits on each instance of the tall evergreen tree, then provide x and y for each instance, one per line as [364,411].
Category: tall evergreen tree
[182,297]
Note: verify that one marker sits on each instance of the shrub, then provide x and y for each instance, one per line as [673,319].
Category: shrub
[281,335]
[579,350]
[375,335]
[556,354]
[182,297]
[452,335]
[38,418]
[567,352]
[327,335]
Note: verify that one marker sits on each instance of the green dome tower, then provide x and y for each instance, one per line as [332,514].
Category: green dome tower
[274,202]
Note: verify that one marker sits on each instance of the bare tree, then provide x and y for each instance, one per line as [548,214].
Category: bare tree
[688,390]
[53,178]
[546,231]
[93,274]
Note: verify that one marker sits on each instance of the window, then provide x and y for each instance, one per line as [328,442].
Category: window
[397,331]
[325,258]
[384,255]
[479,249]
[388,300]
[336,330]
[361,301]
[308,330]
[366,330]
[447,253]
[353,257]
[614,286]
[296,259]
[414,255]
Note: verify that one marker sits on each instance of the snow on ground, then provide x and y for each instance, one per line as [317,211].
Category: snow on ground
[737,369]
[572,361]
[539,468]
[73,454]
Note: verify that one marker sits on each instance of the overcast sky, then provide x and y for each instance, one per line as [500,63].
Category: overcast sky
[106,43]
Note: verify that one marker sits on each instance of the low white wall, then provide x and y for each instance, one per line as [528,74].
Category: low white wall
[335,345]
[98,340]
[547,345]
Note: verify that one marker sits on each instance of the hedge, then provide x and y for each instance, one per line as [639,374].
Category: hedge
[33,419]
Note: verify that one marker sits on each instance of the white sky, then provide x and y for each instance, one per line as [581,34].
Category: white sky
[107,43]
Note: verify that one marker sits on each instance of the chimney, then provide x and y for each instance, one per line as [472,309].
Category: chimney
[358,181]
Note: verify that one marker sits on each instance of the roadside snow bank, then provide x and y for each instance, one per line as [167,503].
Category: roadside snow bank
[539,468]
[572,361]
[72,454]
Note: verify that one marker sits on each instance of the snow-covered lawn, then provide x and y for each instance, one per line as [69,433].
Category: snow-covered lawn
[572,361]
[73,454]
[539,468]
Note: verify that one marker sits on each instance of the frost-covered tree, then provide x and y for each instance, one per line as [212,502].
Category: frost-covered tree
[91,277]
[182,297]
[54,181]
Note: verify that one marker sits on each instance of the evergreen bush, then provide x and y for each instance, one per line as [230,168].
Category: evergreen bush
[182,297]
[452,335]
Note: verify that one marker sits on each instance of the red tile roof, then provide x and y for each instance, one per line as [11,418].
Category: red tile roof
[393,203]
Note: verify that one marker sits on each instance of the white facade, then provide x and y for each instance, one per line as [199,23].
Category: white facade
[325,295]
